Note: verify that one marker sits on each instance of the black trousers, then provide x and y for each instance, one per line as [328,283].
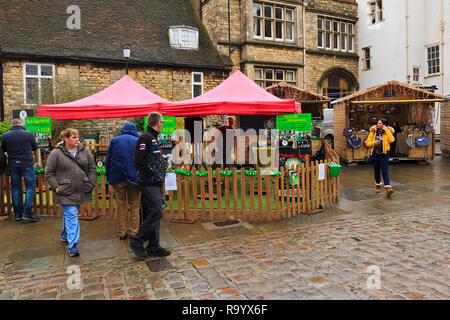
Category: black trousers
[152,212]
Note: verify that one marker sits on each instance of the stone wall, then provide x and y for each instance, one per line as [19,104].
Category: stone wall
[171,84]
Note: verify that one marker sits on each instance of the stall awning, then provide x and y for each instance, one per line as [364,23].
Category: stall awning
[237,95]
[123,99]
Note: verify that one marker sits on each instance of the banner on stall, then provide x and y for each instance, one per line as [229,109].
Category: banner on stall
[169,125]
[299,122]
[41,127]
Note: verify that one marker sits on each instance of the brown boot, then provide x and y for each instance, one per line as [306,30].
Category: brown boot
[389,191]
[378,188]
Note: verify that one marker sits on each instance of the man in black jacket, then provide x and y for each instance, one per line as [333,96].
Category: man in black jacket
[150,165]
[18,145]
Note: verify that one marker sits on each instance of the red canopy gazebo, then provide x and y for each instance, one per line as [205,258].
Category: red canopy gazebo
[123,99]
[237,95]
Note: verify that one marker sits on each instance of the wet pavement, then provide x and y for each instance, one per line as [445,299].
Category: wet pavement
[321,256]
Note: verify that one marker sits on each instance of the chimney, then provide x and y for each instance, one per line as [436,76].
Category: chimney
[197,7]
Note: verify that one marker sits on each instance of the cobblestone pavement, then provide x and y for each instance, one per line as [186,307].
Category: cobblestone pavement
[323,260]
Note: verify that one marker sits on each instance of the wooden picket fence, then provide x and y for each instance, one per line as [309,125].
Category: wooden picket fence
[211,197]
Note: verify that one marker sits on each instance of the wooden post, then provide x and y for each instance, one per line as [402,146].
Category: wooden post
[252,198]
[298,194]
[281,193]
[277,198]
[243,196]
[260,186]
[235,195]
[269,212]
[317,184]
[202,194]
[211,195]
[219,194]
[194,193]
[303,180]
[227,197]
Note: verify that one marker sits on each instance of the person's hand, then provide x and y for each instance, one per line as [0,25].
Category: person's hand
[56,190]
[6,154]
[377,142]
[384,127]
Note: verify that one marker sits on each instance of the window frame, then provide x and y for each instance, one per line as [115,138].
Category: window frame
[345,31]
[274,21]
[416,74]
[436,58]
[179,30]
[365,58]
[39,77]
[262,82]
[194,83]
[375,12]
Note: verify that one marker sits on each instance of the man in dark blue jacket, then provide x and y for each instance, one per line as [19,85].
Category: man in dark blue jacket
[121,174]
[18,145]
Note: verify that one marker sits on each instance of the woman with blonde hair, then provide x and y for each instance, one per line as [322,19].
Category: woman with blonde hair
[379,140]
[72,174]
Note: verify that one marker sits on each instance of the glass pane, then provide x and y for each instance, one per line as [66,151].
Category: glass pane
[289,31]
[367,53]
[257,27]
[380,15]
[31,70]
[328,40]
[46,90]
[380,4]
[269,74]
[193,39]
[350,43]
[279,30]
[372,7]
[335,26]
[278,13]
[280,75]
[32,90]
[290,14]
[335,41]
[320,24]
[343,42]
[257,10]
[260,83]
[268,11]
[268,29]
[269,83]
[175,37]
[290,75]
[46,71]
[320,39]
[197,90]
[372,18]
[184,38]
[258,74]
[368,64]
[328,24]
[197,77]
[343,26]
[350,28]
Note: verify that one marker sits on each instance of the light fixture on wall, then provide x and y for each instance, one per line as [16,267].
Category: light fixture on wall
[126,55]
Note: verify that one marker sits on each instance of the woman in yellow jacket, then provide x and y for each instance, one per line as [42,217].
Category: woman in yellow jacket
[379,140]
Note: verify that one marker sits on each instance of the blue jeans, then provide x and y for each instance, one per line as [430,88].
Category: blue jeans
[71,226]
[16,189]
[381,162]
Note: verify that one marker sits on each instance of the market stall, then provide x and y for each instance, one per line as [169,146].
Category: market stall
[312,103]
[445,125]
[411,108]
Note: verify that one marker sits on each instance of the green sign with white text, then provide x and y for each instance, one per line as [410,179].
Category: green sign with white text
[42,125]
[169,125]
[300,122]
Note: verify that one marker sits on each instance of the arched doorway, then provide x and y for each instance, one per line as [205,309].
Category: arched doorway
[337,83]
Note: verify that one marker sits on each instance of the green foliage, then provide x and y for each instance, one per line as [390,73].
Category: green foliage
[139,122]
[4,126]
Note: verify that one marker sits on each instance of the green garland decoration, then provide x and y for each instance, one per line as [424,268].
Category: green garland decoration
[223,172]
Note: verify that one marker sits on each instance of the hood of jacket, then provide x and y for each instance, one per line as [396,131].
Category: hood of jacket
[374,129]
[129,128]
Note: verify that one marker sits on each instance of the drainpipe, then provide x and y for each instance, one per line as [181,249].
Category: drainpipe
[304,44]
[229,31]
[442,30]
[2,106]
[408,75]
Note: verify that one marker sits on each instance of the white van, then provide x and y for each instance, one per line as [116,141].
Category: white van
[328,131]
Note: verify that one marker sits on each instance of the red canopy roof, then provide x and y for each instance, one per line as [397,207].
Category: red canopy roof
[237,95]
[124,98]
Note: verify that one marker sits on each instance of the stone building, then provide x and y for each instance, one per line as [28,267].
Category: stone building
[309,44]
[54,51]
